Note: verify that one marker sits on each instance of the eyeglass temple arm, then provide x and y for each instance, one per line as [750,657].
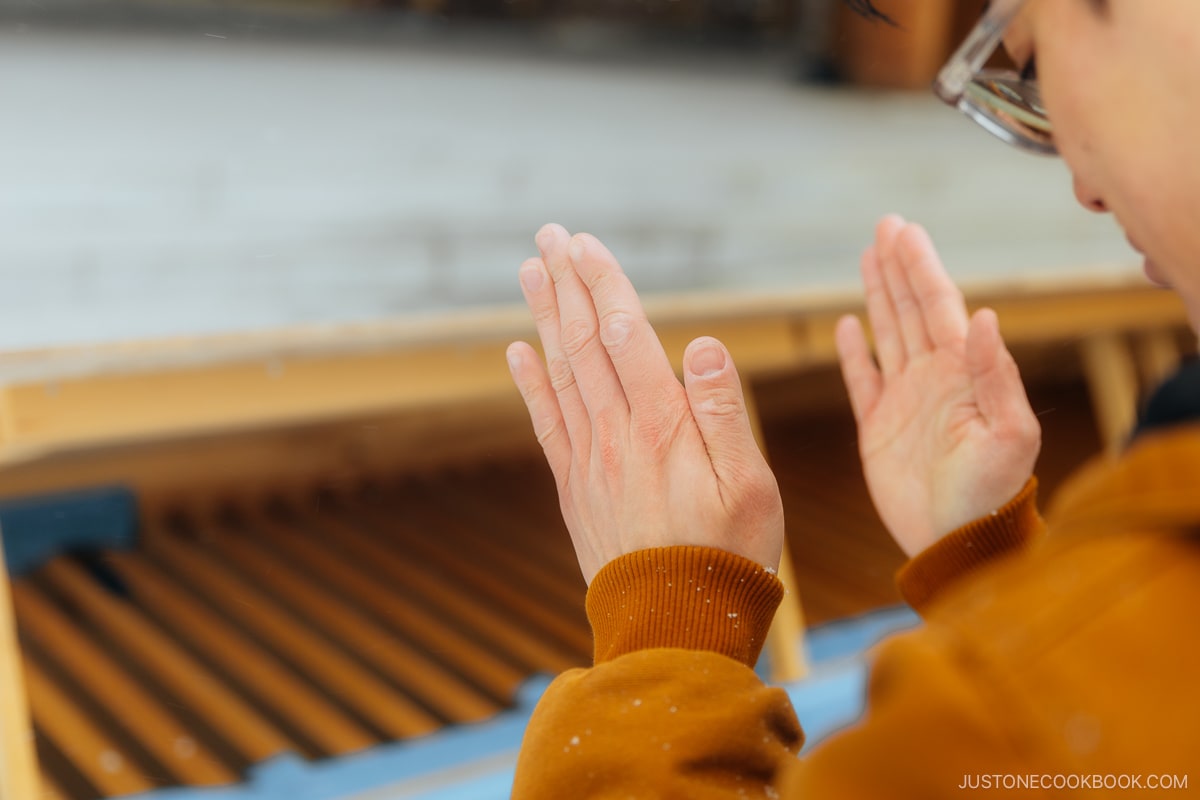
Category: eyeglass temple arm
[969,58]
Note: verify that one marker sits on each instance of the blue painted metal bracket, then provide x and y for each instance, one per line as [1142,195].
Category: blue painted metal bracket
[39,527]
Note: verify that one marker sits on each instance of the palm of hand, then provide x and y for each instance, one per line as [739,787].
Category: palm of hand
[926,423]
[946,433]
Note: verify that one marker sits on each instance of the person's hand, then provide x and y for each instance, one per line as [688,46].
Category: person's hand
[640,461]
[945,430]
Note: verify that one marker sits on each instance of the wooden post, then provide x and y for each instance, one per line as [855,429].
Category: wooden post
[18,765]
[1158,357]
[785,642]
[1113,386]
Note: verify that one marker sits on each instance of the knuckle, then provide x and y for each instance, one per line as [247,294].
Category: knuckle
[599,281]
[759,496]
[657,433]
[548,432]
[610,455]
[724,405]
[615,328]
[544,314]
[608,443]
[577,336]
[562,377]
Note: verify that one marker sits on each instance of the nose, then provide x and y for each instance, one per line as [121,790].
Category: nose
[1089,199]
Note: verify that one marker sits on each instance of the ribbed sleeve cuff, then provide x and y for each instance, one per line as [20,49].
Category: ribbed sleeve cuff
[1004,531]
[695,598]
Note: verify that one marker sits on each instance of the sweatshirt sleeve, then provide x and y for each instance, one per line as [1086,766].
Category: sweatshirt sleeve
[672,707]
[1005,531]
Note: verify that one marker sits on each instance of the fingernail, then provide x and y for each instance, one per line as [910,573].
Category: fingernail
[532,278]
[707,361]
[514,359]
[576,248]
[544,238]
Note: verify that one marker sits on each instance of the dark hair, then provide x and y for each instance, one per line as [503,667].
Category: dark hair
[867,9]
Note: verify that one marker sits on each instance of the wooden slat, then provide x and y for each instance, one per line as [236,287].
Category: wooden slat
[362,580]
[417,673]
[50,788]
[194,686]
[18,763]
[524,502]
[487,535]
[128,705]
[373,700]
[405,530]
[97,757]
[270,682]
[76,417]
[561,648]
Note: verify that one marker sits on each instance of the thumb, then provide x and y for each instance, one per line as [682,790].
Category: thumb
[714,392]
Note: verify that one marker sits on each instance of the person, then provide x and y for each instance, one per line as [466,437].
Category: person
[1054,656]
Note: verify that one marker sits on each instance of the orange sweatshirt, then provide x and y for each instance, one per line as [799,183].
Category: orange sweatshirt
[1048,666]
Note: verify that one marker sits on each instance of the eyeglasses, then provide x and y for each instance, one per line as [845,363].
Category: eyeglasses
[1002,101]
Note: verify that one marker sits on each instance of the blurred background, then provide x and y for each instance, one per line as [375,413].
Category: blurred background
[184,166]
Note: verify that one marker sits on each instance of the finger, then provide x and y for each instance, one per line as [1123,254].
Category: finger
[539,296]
[908,312]
[714,392]
[863,381]
[541,401]
[999,392]
[633,348]
[884,325]
[940,301]
[579,330]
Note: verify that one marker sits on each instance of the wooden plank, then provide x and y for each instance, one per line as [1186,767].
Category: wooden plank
[18,763]
[553,606]
[371,699]
[50,788]
[420,676]
[245,406]
[271,683]
[478,529]
[128,705]
[524,501]
[192,684]
[408,533]
[194,469]
[85,744]
[369,579]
